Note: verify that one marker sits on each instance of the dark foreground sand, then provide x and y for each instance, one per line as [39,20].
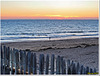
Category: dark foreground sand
[84,51]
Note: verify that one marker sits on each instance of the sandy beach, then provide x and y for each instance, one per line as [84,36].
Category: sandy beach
[84,50]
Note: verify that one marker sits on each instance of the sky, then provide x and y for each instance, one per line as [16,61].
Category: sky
[50,9]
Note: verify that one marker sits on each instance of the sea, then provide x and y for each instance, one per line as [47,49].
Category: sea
[17,30]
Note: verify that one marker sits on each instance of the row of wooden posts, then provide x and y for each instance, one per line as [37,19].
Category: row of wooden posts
[14,61]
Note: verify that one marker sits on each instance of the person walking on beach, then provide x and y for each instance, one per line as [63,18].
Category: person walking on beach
[49,38]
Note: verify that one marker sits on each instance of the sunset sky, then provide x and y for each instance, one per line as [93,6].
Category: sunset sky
[50,9]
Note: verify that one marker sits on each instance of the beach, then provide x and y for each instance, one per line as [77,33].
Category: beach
[82,50]
[49,37]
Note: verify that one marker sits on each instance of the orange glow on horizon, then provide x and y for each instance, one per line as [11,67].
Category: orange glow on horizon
[49,10]
[48,17]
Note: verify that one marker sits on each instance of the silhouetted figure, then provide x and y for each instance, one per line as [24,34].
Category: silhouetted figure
[49,38]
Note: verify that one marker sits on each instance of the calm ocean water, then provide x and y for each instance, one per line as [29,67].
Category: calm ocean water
[24,30]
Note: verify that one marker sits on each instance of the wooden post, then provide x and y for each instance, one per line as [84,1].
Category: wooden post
[69,70]
[58,65]
[24,62]
[68,62]
[47,65]
[71,66]
[21,62]
[41,64]
[14,51]
[91,71]
[78,68]
[94,70]
[17,62]
[64,67]
[1,60]
[73,69]
[29,62]
[8,60]
[12,61]
[6,68]
[87,70]
[84,70]
[34,64]
[52,63]
[81,70]
[5,60]
[68,67]
[61,65]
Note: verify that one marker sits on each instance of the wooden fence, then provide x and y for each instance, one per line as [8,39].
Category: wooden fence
[15,61]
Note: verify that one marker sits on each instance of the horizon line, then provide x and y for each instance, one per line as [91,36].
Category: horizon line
[55,19]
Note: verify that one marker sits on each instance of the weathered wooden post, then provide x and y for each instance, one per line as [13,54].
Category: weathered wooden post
[17,62]
[61,65]
[18,59]
[84,70]
[14,53]
[69,70]
[68,62]
[21,62]
[47,65]
[52,63]
[58,65]
[6,68]
[68,67]
[94,71]
[78,68]
[1,59]
[91,71]
[5,60]
[73,68]
[29,62]
[87,70]
[24,62]
[34,64]
[8,60]
[81,70]
[12,61]
[64,67]
[41,64]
